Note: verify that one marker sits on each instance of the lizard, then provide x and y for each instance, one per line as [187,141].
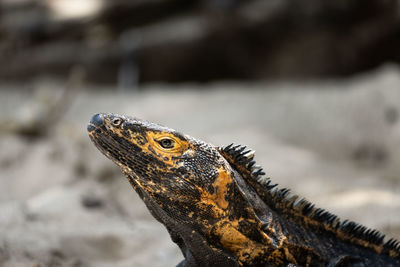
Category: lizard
[221,209]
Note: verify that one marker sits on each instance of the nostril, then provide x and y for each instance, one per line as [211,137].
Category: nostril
[96,120]
[90,127]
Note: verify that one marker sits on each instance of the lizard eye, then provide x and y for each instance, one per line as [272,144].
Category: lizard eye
[116,122]
[167,143]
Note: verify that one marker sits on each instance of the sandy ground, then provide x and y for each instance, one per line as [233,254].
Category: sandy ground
[64,204]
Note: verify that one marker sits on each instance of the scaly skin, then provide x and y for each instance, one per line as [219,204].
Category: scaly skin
[217,212]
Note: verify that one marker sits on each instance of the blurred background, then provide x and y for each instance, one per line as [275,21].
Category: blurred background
[312,86]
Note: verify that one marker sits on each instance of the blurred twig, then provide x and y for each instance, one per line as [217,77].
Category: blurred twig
[50,112]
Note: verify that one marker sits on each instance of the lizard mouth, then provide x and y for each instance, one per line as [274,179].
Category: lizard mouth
[103,140]
[113,145]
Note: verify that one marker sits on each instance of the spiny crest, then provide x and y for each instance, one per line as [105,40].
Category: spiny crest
[394,245]
[243,161]
[282,199]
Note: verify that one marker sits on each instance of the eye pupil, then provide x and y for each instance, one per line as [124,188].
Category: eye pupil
[166,143]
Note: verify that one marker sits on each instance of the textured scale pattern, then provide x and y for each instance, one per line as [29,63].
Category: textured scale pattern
[220,208]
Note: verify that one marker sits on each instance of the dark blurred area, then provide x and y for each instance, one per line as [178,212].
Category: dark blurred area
[312,86]
[179,41]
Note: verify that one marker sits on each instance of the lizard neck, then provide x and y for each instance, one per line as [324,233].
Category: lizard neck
[237,226]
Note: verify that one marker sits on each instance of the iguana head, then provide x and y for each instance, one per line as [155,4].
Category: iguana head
[181,180]
[167,165]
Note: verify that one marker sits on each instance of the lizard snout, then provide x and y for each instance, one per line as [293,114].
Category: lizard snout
[95,121]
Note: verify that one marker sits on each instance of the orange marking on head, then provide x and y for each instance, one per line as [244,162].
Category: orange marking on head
[153,146]
[220,186]
[179,146]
